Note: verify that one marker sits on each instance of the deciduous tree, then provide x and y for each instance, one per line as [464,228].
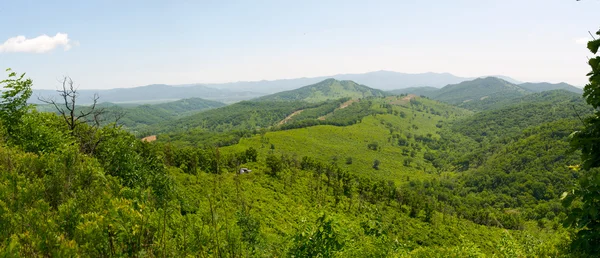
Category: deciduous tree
[586,217]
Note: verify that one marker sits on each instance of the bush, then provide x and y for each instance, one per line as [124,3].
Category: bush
[376,164]
[373,146]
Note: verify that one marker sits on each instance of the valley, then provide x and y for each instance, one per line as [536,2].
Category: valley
[318,129]
[471,169]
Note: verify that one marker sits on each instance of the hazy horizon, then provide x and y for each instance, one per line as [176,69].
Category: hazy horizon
[109,44]
[209,84]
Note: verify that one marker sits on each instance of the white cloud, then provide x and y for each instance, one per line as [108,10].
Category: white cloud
[40,44]
[582,41]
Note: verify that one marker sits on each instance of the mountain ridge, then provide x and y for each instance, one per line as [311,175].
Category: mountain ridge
[152,94]
[479,88]
[325,90]
[382,79]
[545,86]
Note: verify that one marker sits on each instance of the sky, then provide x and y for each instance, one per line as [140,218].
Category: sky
[105,44]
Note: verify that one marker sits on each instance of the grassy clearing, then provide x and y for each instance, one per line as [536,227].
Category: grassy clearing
[376,137]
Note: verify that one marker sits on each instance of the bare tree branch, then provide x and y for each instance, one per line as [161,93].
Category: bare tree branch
[74,116]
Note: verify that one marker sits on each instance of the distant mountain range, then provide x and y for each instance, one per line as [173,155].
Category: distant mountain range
[383,80]
[398,83]
[325,90]
[156,93]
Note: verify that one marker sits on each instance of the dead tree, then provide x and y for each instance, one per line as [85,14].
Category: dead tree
[75,116]
[68,110]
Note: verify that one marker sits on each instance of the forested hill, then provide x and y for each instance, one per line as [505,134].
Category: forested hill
[325,90]
[544,86]
[138,117]
[478,89]
[485,93]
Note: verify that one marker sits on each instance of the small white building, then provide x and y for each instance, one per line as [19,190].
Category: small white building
[245,170]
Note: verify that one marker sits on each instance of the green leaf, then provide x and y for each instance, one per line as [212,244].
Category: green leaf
[567,199]
[593,45]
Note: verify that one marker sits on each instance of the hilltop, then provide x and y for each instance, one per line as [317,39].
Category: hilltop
[486,93]
[544,86]
[383,80]
[478,89]
[325,90]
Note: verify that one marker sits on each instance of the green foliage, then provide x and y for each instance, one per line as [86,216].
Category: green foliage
[274,164]
[349,115]
[139,118]
[373,146]
[584,217]
[349,161]
[226,125]
[444,191]
[13,106]
[531,110]
[320,240]
[376,164]
[250,228]
[251,155]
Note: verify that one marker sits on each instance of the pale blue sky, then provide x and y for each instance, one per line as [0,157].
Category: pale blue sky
[133,43]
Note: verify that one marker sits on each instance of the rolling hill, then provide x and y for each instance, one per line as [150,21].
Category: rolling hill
[544,86]
[138,117]
[489,93]
[325,90]
[478,89]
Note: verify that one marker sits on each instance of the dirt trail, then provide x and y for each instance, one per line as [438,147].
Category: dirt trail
[285,120]
[342,106]
[347,103]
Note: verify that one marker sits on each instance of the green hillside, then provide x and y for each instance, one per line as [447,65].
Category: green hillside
[531,110]
[393,176]
[325,90]
[394,133]
[152,114]
[478,93]
[544,86]
[139,117]
[226,125]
